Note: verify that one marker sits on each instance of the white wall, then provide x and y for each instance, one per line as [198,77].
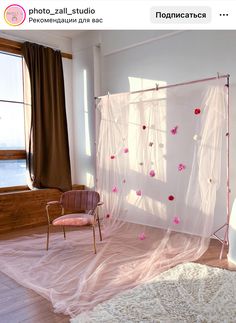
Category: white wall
[86,82]
[171,57]
[56,41]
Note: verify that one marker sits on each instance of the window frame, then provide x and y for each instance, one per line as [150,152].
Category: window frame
[13,47]
[12,154]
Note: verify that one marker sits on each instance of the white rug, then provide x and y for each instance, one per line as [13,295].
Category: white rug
[186,293]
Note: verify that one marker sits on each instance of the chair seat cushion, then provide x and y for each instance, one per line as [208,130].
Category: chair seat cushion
[80,219]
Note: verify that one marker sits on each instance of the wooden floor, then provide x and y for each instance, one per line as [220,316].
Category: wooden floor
[19,304]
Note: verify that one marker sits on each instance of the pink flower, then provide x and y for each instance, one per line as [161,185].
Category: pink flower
[171,197]
[126,150]
[174,130]
[152,173]
[113,157]
[176,220]
[181,167]
[142,236]
[197,111]
[139,193]
[114,189]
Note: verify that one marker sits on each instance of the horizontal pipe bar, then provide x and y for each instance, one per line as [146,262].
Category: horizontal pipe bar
[179,84]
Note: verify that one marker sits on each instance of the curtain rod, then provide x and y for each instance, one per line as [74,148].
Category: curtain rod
[180,84]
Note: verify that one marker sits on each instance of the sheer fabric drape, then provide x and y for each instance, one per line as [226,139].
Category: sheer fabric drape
[158,170]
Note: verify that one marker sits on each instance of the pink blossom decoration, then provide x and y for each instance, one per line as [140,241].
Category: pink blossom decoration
[174,130]
[142,236]
[152,173]
[197,111]
[181,167]
[176,220]
[139,192]
[126,150]
[115,189]
[112,157]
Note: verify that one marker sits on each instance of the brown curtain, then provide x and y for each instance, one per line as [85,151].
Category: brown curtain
[48,155]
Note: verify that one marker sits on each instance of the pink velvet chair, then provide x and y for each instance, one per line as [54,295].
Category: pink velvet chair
[76,201]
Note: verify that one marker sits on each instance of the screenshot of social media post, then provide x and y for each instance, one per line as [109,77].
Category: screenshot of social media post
[117,161]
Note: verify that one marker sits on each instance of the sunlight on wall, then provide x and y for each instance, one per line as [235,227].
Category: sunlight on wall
[143,113]
[86,117]
[147,204]
[89,180]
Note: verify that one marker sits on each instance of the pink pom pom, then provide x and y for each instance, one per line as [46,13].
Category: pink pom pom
[142,236]
[139,193]
[152,173]
[181,167]
[176,220]
[126,150]
[114,189]
[174,130]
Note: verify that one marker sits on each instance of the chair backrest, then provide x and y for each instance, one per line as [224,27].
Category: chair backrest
[77,200]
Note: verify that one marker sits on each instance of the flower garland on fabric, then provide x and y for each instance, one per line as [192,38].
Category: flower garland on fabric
[115,189]
[152,173]
[142,236]
[174,130]
[139,193]
[181,167]
[176,220]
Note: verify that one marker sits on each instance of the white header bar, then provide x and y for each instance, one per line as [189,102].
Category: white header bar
[112,14]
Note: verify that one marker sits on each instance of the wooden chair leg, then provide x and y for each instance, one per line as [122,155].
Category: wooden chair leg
[48,233]
[64,231]
[94,240]
[99,228]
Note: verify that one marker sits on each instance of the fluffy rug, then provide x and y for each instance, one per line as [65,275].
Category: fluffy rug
[186,293]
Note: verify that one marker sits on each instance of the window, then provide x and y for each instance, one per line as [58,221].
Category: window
[12,130]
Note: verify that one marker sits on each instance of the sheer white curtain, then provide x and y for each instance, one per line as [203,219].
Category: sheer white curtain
[158,168]
[159,156]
